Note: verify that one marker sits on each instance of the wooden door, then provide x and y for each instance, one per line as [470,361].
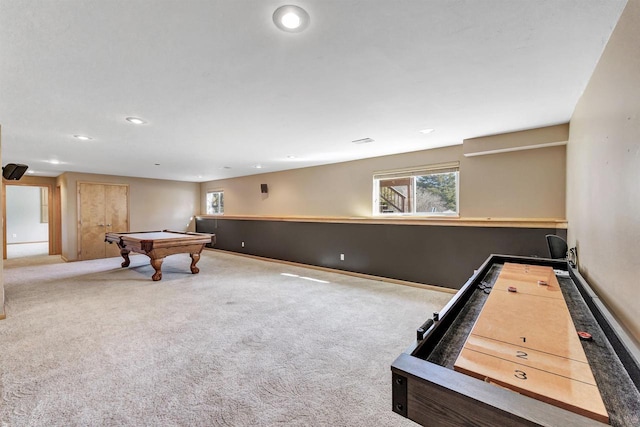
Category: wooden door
[116,214]
[103,208]
[92,221]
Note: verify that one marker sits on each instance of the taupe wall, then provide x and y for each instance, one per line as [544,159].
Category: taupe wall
[603,174]
[2,315]
[521,184]
[153,205]
[520,140]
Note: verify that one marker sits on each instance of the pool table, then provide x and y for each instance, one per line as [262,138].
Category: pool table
[158,244]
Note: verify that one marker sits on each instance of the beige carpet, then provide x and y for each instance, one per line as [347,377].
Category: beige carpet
[240,344]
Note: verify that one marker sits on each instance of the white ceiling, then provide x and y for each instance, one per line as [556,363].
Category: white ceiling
[223,89]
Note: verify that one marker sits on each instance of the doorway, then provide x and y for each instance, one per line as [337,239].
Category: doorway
[27,218]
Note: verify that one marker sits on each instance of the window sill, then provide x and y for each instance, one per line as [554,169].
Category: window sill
[416,216]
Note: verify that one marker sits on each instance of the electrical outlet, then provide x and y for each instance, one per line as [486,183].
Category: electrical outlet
[341,257]
[243,244]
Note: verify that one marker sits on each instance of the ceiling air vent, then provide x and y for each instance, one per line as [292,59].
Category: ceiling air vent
[362,141]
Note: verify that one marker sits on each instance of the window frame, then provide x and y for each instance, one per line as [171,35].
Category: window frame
[221,198]
[412,174]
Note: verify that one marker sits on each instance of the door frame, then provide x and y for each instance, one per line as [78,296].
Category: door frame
[55,226]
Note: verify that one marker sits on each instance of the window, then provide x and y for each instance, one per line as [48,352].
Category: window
[215,202]
[429,190]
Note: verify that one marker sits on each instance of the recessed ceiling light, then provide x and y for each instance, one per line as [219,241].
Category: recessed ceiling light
[258,166]
[426,131]
[54,162]
[291,19]
[31,172]
[135,120]
[291,157]
[82,137]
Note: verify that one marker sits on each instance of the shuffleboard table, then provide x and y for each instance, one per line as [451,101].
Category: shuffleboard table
[159,244]
[525,342]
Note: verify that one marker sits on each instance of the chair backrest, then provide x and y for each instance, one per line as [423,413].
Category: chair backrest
[557,246]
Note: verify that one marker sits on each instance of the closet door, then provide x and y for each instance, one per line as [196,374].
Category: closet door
[102,208]
[116,214]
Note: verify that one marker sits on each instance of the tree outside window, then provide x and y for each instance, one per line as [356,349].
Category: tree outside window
[215,203]
[437,193]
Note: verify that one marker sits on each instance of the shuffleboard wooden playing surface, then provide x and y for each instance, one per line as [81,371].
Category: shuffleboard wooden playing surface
[526,341]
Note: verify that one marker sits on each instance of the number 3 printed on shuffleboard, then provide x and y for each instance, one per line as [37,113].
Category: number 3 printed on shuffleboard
[520,374]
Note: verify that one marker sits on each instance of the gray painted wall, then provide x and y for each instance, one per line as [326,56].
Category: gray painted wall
[433,255]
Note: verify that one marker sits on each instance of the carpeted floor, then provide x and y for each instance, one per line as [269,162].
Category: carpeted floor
[240,344]
[21,250]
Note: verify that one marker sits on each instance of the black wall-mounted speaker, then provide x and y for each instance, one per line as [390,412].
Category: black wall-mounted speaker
[264,189]
[14,171]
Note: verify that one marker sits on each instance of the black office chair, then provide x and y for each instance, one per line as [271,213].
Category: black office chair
[557,246]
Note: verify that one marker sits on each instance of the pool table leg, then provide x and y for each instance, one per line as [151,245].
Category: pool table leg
[156,263]
[125,254]
[194,260]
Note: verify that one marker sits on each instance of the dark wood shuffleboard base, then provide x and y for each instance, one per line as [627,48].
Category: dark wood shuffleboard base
[427,389]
